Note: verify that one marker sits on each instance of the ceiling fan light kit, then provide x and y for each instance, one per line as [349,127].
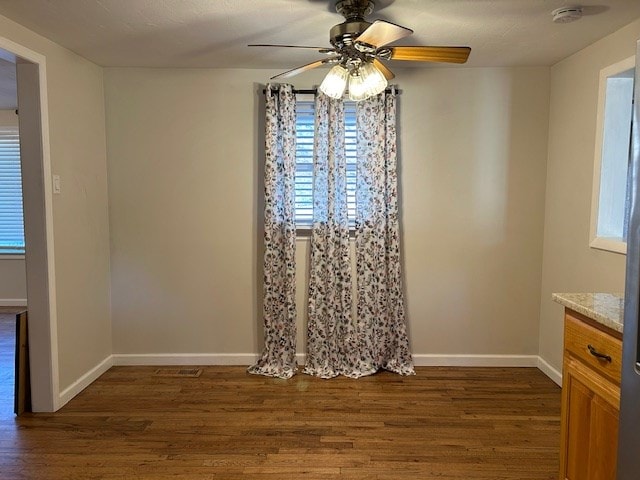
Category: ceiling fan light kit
[366,82]
[359,49]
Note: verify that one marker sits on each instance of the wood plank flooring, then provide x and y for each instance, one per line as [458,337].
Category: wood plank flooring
[444,423]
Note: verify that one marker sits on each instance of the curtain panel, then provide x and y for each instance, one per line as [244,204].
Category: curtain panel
[331,343]
[378,338]
[381,321]
[278,358]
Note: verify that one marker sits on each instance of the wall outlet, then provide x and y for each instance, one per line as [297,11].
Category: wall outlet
[56,184]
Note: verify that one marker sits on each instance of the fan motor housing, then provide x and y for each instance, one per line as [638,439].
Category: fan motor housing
[345,33]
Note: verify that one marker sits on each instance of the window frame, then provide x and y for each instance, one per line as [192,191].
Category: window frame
[611,244]
[303,229]
[10,251]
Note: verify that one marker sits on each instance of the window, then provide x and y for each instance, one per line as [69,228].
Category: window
[11,220]
[305,124]
[610,201]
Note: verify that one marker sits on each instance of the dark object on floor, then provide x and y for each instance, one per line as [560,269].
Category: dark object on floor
[22,384]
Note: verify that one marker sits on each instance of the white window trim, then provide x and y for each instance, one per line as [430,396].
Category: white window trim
[616,245]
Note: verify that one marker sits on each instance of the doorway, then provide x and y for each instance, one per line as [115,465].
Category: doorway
[13,287]
[31,83]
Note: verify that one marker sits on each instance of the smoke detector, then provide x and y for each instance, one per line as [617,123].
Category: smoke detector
[566,14]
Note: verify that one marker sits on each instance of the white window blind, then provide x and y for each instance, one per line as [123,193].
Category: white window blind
[11,217]
[305,126]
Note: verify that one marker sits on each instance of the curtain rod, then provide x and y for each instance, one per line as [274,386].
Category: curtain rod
[313,91]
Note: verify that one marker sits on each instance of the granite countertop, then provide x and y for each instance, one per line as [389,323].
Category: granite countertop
[605,308]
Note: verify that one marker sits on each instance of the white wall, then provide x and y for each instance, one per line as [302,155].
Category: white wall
[80,213]
[473,147]
[13,280]
[184,155]
[569,264]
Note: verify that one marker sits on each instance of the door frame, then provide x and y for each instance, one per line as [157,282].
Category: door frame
[38,222]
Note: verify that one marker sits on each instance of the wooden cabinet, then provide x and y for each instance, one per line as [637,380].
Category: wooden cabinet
[590,400]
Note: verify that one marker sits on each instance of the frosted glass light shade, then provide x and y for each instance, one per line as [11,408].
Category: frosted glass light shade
[357,88]
[335,83]
[368,81]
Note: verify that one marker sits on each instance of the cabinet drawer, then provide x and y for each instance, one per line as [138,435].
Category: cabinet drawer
[579,336]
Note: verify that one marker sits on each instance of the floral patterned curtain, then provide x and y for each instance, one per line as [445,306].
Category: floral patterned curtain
[381,319]
[279,308]
[331,346]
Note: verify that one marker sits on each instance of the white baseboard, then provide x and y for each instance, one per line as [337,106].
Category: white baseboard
[141,359]
[421,360]
[246,359]
[550,371]
[13,302]
[83,382]
[429,360]
[124,359]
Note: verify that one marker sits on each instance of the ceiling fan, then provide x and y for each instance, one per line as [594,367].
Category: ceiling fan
[359,49]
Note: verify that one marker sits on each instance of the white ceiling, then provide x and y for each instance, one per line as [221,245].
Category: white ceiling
[214,33]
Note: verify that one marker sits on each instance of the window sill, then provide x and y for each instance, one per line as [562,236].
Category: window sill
[609,244]
[11,256]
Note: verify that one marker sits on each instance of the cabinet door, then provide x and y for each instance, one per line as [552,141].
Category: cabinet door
[604,439]
[579,400]
[590,424]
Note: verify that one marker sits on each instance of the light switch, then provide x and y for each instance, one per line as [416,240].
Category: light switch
[56,184]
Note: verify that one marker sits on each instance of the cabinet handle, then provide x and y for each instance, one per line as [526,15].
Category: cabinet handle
[597,354]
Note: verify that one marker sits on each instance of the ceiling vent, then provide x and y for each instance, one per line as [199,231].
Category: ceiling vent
[566,14]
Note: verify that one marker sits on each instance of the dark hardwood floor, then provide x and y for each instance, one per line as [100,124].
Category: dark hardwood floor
[444,423]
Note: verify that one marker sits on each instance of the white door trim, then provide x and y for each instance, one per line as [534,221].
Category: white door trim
[41,288]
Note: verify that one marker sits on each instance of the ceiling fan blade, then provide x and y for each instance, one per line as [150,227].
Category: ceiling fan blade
[388,74]
[381,33]
[431,54]
[288,46]
[304,68]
